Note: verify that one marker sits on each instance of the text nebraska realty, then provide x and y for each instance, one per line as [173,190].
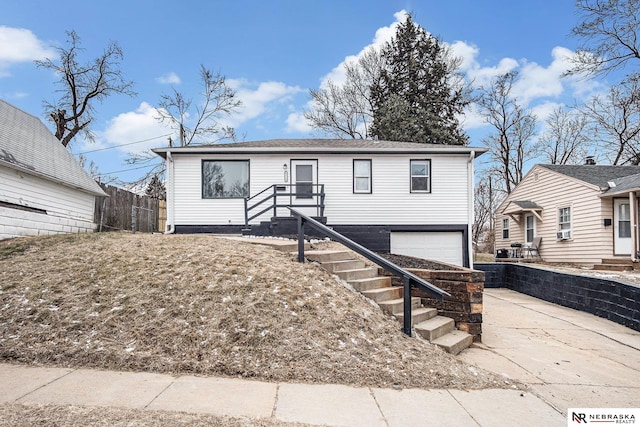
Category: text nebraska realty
[604,418]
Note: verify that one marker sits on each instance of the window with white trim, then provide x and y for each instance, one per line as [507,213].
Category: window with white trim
[420,176]
[505,228]
[564,219]
[362,176]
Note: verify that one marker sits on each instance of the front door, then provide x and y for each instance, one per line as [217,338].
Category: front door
[529,229]
[621,227]
[304,177]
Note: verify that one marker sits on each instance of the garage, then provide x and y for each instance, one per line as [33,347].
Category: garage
[439,246]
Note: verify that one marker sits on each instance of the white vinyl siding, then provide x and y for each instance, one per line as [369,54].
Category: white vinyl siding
[67,210]
[591,240]
[390,203]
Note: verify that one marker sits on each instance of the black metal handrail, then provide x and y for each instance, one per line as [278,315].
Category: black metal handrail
[408,279]
[318,194]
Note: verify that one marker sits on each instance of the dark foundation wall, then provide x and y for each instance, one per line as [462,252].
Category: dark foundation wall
[609,299]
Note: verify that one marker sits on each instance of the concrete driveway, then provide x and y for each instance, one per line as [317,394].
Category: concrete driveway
[569,358]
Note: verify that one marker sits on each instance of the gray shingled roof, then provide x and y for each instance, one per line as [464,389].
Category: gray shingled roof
[624,184]
[321,146]
[26,144]
[598,175]
[527,204]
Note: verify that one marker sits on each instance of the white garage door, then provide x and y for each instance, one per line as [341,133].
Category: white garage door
[439,246]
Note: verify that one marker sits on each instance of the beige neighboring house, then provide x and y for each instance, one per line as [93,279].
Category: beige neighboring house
[583,214]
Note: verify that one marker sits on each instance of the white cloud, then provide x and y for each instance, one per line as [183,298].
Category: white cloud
[133,126]
[169,78]
[536,81]
[383,35]
[256,100]
[20,45]
[297,123]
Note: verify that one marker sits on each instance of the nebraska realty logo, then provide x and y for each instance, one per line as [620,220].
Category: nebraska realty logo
[582,416]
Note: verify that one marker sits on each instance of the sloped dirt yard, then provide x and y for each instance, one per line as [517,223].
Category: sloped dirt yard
[194,304]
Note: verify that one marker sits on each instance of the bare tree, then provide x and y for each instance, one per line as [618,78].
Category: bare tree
[565,140]
[510,143]
[344,110]
[615,121]
[609,35]
[195,123]
[217,100]
[81,86]
[486,199]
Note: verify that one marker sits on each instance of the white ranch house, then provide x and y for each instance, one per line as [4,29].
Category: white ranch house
[43,189]
[405,198]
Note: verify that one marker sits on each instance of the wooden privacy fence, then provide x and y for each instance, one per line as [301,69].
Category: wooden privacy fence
[124,210]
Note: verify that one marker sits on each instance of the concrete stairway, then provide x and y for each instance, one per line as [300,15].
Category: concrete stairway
[615,264]
[438,330]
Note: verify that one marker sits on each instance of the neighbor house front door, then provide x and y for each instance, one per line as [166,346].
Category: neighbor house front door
[621,227]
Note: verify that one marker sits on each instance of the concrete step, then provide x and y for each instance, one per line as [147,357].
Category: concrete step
[435,327]
[394,306]
[454,342]
[342,265]
[358,273]
[419,315]
[613,267]
[327,256]
[624,261]
[370,283]
[384,294]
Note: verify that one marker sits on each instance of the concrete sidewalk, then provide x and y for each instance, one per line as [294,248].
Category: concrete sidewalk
[334,405]
[571,359]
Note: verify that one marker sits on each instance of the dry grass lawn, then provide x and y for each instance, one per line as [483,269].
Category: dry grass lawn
[194,304]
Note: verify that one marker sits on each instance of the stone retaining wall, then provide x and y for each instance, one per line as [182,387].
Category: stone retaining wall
[611,299]
[464,305]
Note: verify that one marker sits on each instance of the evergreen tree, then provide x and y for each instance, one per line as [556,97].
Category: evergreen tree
[419,92]
[156,189]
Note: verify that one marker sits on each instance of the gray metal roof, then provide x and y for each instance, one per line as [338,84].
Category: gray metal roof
[598,175]
[330,146]
[27,145]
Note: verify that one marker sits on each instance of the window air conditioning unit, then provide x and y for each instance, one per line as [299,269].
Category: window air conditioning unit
[563,235]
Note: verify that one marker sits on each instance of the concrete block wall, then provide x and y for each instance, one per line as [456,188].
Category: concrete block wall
[16,222]
[610,299]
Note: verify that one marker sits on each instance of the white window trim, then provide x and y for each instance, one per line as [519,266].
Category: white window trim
[505,221]
[369,177]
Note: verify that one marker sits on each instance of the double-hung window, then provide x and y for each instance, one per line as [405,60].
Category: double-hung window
[505,228]
[420,176]
[362,176]
[225,179]
[564,219]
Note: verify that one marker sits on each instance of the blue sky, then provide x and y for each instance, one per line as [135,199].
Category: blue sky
[272,53]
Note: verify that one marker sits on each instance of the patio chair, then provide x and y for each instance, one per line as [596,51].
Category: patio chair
[533,250]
